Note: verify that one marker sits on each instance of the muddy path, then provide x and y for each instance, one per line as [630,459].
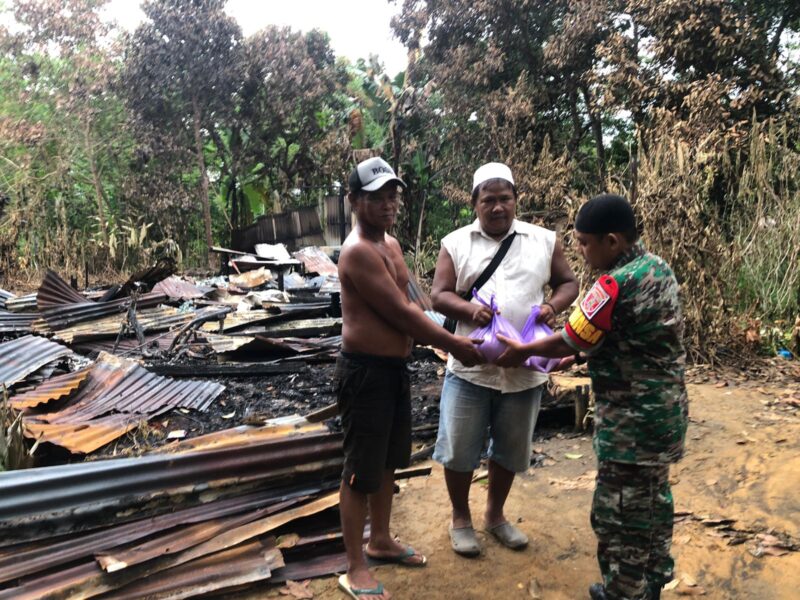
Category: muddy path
[738,485]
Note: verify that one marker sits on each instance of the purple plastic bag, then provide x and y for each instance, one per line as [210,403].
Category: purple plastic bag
[534,331]
[492,348]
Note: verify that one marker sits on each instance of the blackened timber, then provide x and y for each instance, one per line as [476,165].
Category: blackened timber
[228,369]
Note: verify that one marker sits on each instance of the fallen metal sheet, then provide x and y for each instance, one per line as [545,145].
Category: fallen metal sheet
[52,389]
[247,563]
[305,328]
[163,268]
[5,295]
[229,369]
[154,342]
[316,261]
[60,317]
[54,292]
[259,343]
[21,561]
[82,437]
[321,566]
[23,356]
[244,434]
[19,304]
[150,320]
[87,580]
[16,322]
[117,396]
[180,289]
[235,320]
[46,493]
[260,527]
[229,343]
[179,539]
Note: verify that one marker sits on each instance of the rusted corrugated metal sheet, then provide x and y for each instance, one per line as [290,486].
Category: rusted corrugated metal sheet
[181,538]
[118,395]
[65,315]
[52,389]
[150,320]
[178,288]
[316,261]
[82,437]
[305,328]
[20,304]
[24,560]
[4,295]
[16,322]
[54,291]
[23,356]
[246,563]
[154,342]
[235,320]
[244,434]
[36,495]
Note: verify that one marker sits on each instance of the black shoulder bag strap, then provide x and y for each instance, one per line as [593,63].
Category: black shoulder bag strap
[491,267]
[449,323]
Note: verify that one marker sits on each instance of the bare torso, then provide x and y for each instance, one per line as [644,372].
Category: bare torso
[363,329]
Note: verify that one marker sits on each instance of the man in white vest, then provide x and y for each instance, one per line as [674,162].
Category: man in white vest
[482,400]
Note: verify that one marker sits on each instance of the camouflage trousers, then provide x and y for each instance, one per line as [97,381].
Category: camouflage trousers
[632,516]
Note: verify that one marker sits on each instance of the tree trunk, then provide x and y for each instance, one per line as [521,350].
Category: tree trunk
[597,130]
[98,187]
[201,164]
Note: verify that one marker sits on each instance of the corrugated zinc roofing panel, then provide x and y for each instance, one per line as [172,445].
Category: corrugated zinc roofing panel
[52,389]
[21,357]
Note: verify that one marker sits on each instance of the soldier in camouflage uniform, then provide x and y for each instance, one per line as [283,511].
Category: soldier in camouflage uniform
[630,326]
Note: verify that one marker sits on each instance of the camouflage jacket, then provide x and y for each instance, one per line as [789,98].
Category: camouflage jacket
[631,326]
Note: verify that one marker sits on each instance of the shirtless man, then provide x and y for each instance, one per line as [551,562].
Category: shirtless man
[379,326]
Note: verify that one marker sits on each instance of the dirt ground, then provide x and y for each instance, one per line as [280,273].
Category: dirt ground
[738,485]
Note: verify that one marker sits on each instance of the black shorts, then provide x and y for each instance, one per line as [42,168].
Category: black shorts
[374,400]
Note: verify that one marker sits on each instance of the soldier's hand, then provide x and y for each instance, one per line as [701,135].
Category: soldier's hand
[565,364]
[466,351]
[481,315]
[514,355]
[547,315]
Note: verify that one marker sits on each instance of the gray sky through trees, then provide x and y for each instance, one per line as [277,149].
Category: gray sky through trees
[357,28]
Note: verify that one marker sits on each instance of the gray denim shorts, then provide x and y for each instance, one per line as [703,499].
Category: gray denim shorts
[468,413]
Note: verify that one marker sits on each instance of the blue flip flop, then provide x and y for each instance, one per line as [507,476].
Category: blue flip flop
[400,559]
[356,593]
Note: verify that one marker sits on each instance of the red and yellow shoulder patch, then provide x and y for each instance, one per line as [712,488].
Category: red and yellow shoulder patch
[591,319]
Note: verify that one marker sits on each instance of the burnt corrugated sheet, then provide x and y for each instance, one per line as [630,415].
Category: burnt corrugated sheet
[54,291]
[179,289]
[150,320]
[23,356]
[316,261]
[118,395]
[52,389]
[37,495]
[4,295]
[59,317]
[156,342]
[21,304]
[16,322]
